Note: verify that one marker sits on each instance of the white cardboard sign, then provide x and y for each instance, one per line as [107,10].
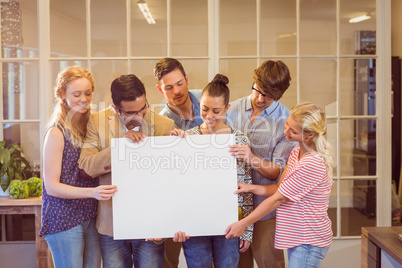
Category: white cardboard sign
[169,184]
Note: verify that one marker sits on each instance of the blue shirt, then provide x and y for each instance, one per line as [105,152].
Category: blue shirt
[266,136]
[180,122]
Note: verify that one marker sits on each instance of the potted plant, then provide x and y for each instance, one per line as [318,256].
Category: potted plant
[13,165]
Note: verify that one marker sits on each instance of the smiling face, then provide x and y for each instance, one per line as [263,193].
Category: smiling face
[293,130]
[132,112]
[212,110]
[79,95]
[173,86]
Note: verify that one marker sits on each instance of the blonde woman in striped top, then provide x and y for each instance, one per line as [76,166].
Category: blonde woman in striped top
[301,196]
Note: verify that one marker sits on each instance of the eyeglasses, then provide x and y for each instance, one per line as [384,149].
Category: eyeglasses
[262,94]
[134,113]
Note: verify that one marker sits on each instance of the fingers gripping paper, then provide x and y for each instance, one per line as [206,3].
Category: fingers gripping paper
[170,184]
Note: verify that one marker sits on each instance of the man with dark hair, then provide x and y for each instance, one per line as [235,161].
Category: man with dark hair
[261,117]
[128,117]
[182,105]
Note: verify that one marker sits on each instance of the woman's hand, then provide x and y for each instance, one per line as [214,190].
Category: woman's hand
[244,188]
[157,241]
[236,229]
[135,136]
[104,192]
[180,237]
[178,132]
[244,245]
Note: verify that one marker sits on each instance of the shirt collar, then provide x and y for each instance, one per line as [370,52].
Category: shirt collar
[179,121]
[266,111]
[195,101]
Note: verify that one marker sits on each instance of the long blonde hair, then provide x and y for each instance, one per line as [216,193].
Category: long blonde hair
[311,118]
[62,115]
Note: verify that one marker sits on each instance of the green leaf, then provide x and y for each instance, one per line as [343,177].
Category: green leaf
[4,182]
[13,163]
[2,144]
[18,176]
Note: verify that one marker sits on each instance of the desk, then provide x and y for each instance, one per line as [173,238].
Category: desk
[378,242]
[30,205]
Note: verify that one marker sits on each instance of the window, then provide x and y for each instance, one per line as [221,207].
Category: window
[314,38]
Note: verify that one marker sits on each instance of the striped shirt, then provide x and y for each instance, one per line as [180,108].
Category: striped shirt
[304,219]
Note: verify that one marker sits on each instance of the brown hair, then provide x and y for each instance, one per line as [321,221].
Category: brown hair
[165,66]
[61,116]
[218,88]
[273,77]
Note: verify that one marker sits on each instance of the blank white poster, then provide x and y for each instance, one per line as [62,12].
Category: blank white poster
[169,184]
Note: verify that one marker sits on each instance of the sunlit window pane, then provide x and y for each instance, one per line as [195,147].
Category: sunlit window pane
[319,89]
[149,39]
[108,28]
[358,147]
[189,28]
[357,87]
[238,28]
[240,74]
[20,90]
[71,17]
[278,27]
[104,72]
[318,27]
[289,98]
[350,43]
[19,29]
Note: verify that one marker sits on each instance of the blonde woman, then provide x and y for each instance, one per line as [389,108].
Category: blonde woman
[69,202]
[301,196]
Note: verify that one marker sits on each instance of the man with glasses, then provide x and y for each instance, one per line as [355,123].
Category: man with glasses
[261,117]
[128,117]
[182,105]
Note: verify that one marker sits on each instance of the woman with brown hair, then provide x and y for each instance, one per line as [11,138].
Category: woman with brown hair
[69,202]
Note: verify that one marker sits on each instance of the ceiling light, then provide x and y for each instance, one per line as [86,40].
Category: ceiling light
[359,19]
[145,11]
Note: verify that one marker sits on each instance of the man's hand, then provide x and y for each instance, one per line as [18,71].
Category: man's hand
[242,152]
[244,245]
[135,136]
[180,237]
[178,132]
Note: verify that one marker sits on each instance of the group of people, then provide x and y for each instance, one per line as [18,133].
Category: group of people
[284,170]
